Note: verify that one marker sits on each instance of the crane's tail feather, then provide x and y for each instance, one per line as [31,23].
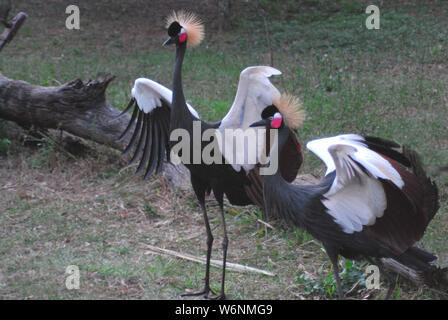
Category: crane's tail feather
[420,264]
[417,258]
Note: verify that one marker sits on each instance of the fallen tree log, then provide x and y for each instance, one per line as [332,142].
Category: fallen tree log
[77,107]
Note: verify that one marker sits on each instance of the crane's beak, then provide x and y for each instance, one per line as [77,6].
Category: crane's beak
[261,123]
[168,42]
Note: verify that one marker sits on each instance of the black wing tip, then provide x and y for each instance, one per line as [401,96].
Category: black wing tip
[382,141]
[152,163]
[388,148]
[128,107]
[131,121]
[150,137]
[135,135]
[143,133]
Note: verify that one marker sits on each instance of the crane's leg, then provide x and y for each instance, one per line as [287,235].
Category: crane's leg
[389,278]
[333,255]
[392,282]
[206,289]
[225,242]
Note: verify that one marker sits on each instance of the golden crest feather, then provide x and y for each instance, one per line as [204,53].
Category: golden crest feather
[191,23]
[291,109]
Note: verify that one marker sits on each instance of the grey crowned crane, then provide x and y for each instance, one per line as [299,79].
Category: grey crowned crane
[240,182]
[368,205]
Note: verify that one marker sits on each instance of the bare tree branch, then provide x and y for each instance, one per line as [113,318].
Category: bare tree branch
[12,28]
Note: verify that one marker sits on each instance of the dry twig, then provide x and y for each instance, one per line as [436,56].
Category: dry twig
[217,263]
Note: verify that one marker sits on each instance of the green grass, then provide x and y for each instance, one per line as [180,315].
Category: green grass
[57,211]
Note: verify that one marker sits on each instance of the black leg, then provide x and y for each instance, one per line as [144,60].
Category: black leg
[225,242]
[391,285]
[338,280]
[207,289]
[391,280]
[334,260]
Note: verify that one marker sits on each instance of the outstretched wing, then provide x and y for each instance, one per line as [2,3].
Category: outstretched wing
[255,92]
[375,194]
[151,115]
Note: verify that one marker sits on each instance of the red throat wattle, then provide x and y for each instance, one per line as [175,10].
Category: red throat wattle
[182,37]
[276,123]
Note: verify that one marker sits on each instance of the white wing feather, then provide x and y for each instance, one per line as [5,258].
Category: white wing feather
[255,92]
[149,95]
[371,160]
[355,198]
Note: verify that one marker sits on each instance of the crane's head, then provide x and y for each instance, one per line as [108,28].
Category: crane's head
[270,118]
[286,110]
[184,27]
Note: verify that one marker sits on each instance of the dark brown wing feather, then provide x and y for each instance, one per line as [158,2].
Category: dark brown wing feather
[409,209]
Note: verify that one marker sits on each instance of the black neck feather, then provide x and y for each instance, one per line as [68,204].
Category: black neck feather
[283,134]
[179,113]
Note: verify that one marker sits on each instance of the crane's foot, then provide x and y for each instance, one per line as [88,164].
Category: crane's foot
[206,293]
[222,296]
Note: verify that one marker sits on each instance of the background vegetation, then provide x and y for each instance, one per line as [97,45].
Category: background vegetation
[58,210]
